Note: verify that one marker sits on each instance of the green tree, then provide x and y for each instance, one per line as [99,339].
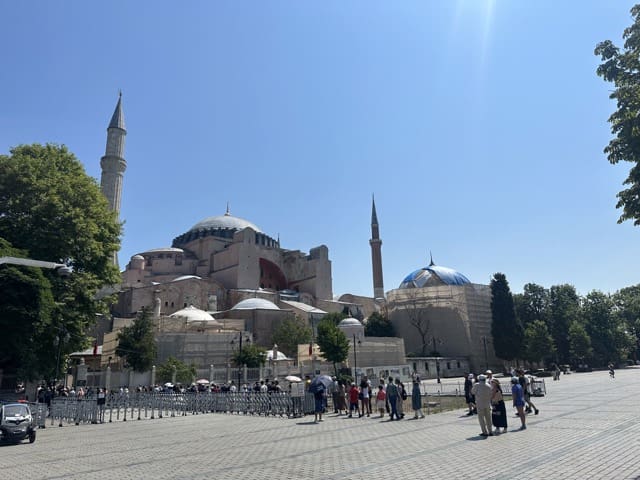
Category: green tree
[52,210]
[627,305]
[333,343]
[605,329]
[252,356]
[532,304]
[290,333]
[136,343]
[538,342]
[335,317]
[379,326]
[579,343]
[184,373]
[506,329]
[621,67]
[564,308]
[26,320]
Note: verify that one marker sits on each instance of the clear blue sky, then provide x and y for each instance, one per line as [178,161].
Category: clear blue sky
[479,126]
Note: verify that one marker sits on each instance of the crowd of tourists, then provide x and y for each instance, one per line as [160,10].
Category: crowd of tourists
[485,397]
[365,399]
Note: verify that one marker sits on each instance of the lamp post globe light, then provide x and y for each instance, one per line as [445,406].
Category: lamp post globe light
[353,329]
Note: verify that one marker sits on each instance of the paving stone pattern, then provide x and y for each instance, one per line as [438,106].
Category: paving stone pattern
[588,427]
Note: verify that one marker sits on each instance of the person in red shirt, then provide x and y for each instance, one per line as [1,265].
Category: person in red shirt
[354,392]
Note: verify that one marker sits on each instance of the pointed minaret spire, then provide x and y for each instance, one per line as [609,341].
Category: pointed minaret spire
[376,253]
[431,264]
[227,213]
[113,163]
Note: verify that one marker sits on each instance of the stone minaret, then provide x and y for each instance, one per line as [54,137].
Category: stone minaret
[376,254]
[113,163]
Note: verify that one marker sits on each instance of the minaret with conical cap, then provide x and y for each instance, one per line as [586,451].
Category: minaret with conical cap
[113,163]
[376,253]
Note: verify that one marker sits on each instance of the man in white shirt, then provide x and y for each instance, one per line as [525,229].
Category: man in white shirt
[483,391]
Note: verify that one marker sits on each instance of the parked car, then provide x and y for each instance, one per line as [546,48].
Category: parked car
[16,423]
[583,367]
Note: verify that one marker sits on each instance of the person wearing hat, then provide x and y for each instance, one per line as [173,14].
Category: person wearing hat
[468,385]
[482,392]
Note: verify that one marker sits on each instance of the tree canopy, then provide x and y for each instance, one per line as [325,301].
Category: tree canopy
[622,68]
[291,333]
[26,314]
[136,343]
[51,210]
[379,326]
[185,374]
[505,327]
[333,343]
[252,356]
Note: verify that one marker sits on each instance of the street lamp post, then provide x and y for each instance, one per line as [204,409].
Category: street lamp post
[486,357]
[437,354]
[355,358]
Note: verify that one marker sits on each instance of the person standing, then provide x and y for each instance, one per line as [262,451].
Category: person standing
[392,397]
[482,392]
[334,394]
[354,393]
[319,396]
[364,396]
[416,398]
[468,396]
[518,400]
[402,396]
[381,400]
[498,409]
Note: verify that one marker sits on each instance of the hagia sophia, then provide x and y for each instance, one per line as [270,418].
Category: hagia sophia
[227,275]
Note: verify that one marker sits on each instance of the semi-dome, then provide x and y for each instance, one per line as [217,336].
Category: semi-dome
[192,314]
[224,221]
[255,303]
[433,275]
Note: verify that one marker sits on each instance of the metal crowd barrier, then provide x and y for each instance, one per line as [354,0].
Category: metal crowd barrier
[138,406]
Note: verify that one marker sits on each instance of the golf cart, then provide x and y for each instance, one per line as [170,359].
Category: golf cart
[16,423]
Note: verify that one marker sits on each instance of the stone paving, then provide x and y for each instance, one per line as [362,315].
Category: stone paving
[587,428]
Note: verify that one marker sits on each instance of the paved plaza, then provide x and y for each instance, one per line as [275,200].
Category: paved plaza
[588,427]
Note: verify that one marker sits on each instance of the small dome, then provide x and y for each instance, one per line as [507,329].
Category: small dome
[165,250]
[352,327]
[279,356]
[137,257]
[192,314]
[433,275]
[255,304]
[350,322]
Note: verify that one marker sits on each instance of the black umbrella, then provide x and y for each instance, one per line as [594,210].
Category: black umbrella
[319,383]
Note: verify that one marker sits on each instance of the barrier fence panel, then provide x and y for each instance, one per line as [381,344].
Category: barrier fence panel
[138,406]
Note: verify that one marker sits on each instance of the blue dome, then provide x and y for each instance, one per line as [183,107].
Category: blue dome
[433,275]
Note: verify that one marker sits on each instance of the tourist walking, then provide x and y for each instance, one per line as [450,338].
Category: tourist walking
[319,397]
[525,383]
[498,408]
[416,398]
[482,392]
[518,400]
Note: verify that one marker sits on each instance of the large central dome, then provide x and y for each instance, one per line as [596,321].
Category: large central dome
[224,221]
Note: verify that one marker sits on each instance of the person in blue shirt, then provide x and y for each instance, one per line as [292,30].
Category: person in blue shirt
[517,393]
